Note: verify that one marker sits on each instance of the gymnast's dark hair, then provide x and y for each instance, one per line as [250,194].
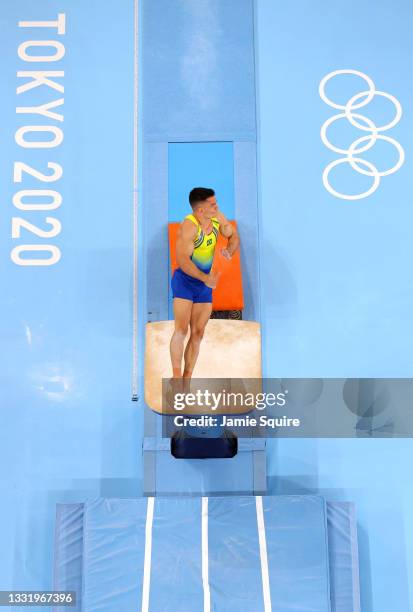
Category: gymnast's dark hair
[199,194]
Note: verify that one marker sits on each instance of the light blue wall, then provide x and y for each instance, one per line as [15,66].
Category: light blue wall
[65,330]
[337,299]
[198,70]
[200,164]
[337,296]
[335,289]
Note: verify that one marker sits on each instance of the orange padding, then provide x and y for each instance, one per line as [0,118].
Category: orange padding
[228,294]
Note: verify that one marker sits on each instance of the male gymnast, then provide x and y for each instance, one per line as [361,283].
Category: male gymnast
[193,281]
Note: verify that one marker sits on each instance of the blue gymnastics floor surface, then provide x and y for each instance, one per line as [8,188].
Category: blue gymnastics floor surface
[69,432]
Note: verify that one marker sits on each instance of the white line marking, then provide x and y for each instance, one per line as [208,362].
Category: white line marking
[263,555]
[148,555]
[205,569]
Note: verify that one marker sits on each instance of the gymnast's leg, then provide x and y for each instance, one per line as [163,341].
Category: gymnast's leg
[200,315]
[182,314]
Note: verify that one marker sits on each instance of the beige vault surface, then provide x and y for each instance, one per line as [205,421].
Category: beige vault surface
[229,349]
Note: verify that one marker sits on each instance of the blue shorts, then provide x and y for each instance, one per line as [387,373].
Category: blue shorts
[190,288]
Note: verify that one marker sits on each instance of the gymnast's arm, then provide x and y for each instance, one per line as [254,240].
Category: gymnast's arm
[228,231]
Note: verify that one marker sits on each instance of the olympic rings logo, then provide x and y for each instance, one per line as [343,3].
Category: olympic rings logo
[364,143]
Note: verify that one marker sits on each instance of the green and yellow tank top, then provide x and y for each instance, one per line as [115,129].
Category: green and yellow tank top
[204,244]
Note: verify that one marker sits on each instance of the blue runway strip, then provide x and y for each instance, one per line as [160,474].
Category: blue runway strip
[285,568]
[176,565]
[297,542]
[235,536]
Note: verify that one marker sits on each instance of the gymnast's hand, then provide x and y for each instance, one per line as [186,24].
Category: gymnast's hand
[221,217]
[212,279]
[225,253]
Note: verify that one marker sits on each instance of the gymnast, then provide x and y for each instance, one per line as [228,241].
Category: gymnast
[193,281]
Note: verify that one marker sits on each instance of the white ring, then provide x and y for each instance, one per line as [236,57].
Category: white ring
[344,196]
[387,126]
[392,170]
[330,75]
[329,145]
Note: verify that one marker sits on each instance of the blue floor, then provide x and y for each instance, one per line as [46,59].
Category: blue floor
[375,474]
[69,431]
